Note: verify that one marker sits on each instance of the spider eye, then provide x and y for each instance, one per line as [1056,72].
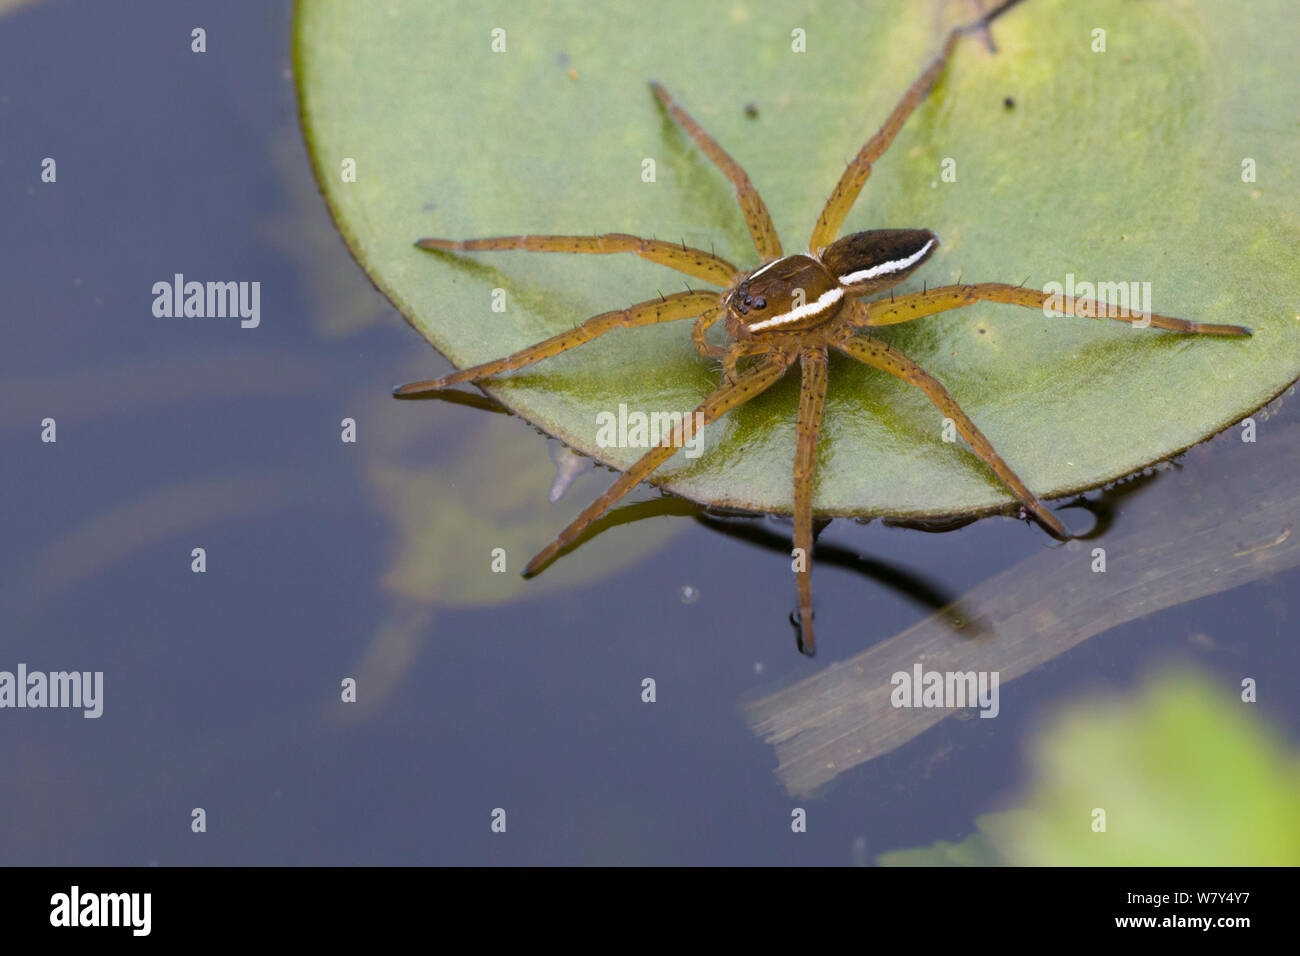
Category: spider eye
[759,303]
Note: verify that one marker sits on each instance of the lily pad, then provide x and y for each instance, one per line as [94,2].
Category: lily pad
[1124,165]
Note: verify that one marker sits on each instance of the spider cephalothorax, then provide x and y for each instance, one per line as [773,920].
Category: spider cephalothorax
[792,309]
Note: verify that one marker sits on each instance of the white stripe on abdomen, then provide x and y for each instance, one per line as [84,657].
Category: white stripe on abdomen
[898,265]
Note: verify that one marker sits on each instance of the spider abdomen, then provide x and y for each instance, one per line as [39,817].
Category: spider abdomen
[877,259]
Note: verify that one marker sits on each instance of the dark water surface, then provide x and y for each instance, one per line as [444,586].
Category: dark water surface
[222,688]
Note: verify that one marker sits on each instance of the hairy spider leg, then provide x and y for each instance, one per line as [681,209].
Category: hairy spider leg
[812,402]
[738,351]
[757,217]
[905,308]
[681,305]
[855,176]
[684,259]
[877,354]
[700,333]
[724,399]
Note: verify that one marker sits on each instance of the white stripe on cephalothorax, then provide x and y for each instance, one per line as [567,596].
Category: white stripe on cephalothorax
[824,301]
[885,268]
[758,272]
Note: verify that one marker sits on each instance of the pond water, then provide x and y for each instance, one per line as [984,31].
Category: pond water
[328,560]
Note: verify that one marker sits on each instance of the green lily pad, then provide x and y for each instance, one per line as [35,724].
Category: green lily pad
[1123,165]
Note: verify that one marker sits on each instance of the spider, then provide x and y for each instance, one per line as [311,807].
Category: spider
[792,308]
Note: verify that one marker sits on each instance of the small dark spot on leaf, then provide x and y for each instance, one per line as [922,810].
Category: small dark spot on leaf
[1009,103]
[751,110]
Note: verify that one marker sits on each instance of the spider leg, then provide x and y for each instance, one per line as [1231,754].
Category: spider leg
[913,306]
[737,351]
[692,262]
[757,217]
[812,402]
[700,332]
[721,401]
[681,305]
[983,28]
[855,176]
[873,352]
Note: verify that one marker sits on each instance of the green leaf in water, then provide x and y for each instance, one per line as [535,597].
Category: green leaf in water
[1114,166]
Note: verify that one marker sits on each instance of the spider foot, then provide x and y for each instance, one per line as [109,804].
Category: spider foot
[1047,520]
[803,640]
